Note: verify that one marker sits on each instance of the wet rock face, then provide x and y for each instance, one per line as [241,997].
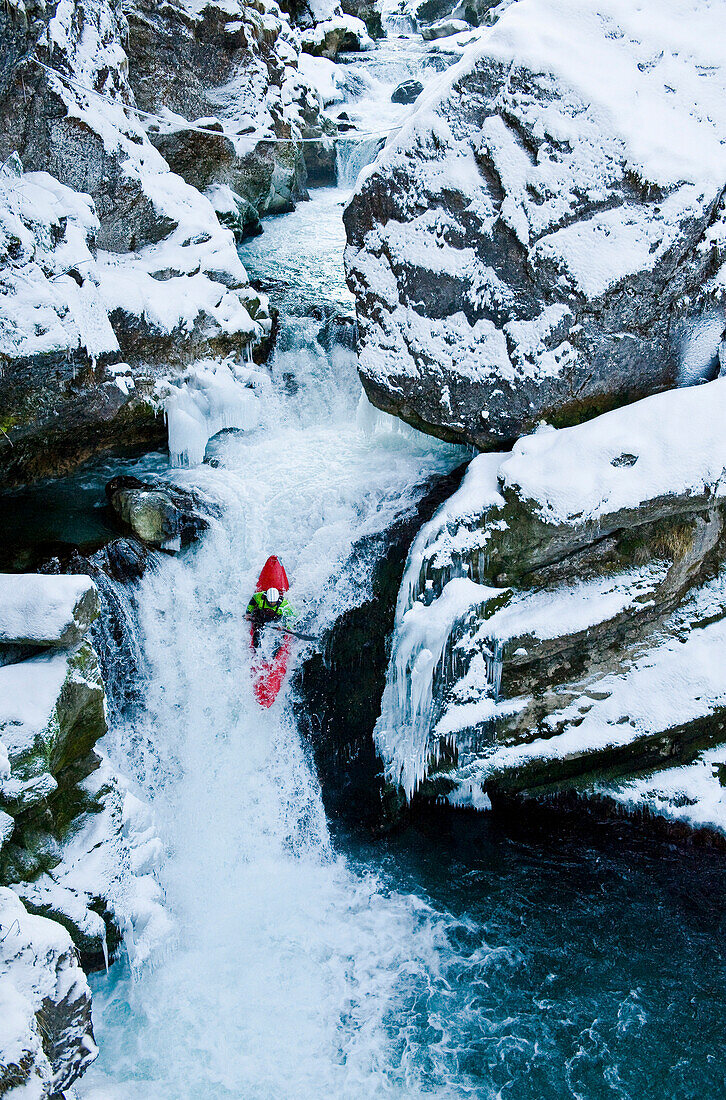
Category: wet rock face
[45,1004]
[160,515]
[408,92]
[524,251]
[340,688]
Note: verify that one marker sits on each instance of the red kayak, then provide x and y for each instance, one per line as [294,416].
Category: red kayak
[267,675]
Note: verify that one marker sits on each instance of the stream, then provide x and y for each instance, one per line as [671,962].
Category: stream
[453,959]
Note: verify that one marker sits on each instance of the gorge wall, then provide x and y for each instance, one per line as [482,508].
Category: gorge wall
[531,251]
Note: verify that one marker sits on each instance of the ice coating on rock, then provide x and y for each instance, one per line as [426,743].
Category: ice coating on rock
[209,398]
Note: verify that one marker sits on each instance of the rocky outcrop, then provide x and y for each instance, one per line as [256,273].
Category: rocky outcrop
[75,845]
[563,616]
[338,710]
[114,271]
[46,1034]
[36,612]
[339,34]
[231,72]
[52,713]
[530,246]
[161,515]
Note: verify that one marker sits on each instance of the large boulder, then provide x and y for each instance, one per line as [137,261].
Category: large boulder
[563,616]
[161,515]
[36,610]
[51,715]
[543,240]
[341,33]
[46,1034]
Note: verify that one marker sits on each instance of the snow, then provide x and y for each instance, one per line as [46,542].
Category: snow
[674,683]
[50,229]
[191,277]
[39,970]
[28,695]
[574,109]
[691,793]
[209,397]
[325,76]
[349,24]
[673,445]
[113,854]
[677,438]
[42,610]
[570,609]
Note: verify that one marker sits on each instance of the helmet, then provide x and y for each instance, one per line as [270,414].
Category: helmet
[272,595]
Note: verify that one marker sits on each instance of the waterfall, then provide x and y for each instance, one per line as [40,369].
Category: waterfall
[287,969]
[353,154]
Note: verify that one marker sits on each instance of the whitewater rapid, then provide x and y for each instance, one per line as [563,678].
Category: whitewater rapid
[291,974]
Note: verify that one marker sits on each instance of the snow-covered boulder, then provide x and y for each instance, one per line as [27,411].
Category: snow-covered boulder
[38,610]
[83,332]
[544,238]
[341,33]
[564,613]
[46,1035]
[51,715]
[110,263]
[444,28]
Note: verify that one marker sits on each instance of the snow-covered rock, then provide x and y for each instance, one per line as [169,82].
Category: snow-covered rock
[107,258]
[444,28]
[544,238]
[39,610]
[51,715]
[46,1035]
[691,795]
[564,612]
[339,34]
[233,104]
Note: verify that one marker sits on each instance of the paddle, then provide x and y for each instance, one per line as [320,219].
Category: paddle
[295,633]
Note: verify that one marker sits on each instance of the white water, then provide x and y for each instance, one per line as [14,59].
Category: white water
[292,974]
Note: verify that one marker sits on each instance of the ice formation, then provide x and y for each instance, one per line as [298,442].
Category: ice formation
[209,398]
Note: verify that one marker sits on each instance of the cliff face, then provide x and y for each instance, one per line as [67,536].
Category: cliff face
[75,845]
[562,617]
[46,1035]
[534,245]
[236,68]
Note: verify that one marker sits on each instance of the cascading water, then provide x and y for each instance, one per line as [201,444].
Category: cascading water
[289,968]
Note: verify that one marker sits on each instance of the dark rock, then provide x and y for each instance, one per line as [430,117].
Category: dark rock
[407,92]
[180,62]
[340,687]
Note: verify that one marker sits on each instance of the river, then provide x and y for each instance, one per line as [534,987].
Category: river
[454,959]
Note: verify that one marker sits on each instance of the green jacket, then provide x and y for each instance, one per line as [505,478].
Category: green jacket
[259,603]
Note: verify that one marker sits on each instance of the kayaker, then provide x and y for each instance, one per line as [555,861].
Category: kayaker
[268,607]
